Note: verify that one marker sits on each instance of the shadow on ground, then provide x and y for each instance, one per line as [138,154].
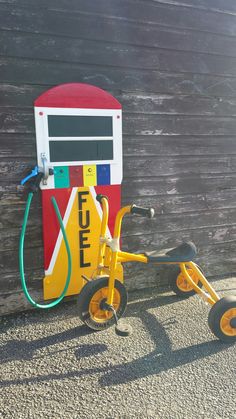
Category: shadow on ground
[162,358]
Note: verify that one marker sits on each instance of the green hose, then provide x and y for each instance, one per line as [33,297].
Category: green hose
[21,255]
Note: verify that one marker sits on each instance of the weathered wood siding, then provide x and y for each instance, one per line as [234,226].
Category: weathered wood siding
[172,65]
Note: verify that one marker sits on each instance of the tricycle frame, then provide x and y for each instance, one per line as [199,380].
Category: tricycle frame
[116,255]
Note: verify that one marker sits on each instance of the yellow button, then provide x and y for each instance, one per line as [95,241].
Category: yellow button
[90,175]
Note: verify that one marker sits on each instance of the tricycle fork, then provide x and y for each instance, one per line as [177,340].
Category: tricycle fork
[114,245]
[102,243]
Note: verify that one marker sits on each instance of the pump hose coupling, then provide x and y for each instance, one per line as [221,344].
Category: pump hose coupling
[34,172]
[34,185]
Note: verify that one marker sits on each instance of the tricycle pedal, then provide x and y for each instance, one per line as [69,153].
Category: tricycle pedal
[123,329]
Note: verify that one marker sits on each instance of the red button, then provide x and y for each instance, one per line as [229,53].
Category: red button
[76,176]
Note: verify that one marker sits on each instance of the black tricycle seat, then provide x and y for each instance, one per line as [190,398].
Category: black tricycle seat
[186,252]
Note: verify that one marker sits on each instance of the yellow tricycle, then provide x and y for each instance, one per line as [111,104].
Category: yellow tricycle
[103,298]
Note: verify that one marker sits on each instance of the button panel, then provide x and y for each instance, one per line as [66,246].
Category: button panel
[87,175]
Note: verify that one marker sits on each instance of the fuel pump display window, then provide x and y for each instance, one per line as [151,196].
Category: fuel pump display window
[90,150]
[79,126]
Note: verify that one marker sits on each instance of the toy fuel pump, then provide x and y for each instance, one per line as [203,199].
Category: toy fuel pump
[79,155]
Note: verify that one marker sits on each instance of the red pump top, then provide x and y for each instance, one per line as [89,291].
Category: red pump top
[77,95]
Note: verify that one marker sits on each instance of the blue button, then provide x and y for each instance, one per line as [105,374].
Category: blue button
[103,174]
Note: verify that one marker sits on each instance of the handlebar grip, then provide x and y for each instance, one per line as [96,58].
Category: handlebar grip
[35,185]
[144,212]
[99,197]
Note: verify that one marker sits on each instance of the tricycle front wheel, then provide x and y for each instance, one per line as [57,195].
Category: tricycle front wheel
[91,302]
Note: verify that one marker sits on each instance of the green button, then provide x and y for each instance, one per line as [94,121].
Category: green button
[61,177]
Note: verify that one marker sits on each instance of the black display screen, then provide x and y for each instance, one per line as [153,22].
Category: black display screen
[65,151]
[79,126]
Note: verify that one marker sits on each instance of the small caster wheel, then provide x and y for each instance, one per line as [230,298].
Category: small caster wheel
[222,319]
[91,303]
[180,286]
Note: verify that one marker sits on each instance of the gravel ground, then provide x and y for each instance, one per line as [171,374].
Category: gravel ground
[170,367]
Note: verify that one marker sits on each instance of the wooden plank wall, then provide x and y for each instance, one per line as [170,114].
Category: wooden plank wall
[172,65]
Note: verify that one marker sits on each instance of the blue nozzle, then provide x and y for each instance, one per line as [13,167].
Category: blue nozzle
[33,173]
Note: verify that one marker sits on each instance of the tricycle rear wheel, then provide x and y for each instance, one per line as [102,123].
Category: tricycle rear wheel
[180,286]
[222,319]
